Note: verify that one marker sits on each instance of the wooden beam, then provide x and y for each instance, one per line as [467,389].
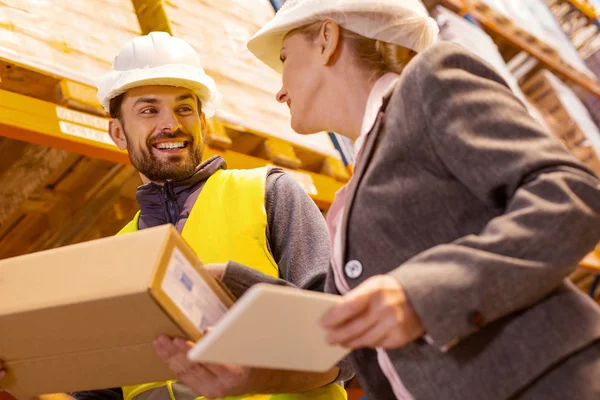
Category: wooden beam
[35,164]
[542,53]
[152,16]
[591,262]
[99,199]
[12,151]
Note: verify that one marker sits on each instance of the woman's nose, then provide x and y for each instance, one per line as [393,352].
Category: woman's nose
[282,95]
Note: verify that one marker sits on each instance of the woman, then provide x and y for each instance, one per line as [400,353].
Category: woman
[453,239]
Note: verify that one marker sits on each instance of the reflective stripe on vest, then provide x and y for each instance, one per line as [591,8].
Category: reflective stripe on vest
[229,222]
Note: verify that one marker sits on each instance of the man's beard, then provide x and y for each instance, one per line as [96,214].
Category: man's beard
[144,160]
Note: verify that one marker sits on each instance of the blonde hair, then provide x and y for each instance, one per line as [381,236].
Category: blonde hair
[375,55]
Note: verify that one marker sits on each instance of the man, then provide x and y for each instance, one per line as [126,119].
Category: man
[158,96]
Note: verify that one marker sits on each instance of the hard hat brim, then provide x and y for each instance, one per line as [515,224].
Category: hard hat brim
[403,23]
[183,76]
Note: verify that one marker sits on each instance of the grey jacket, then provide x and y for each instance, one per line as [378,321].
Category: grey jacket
[480,214]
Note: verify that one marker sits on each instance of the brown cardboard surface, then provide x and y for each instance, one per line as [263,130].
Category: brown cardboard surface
[84,317]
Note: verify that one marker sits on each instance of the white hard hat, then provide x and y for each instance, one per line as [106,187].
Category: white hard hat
[402,22]
[158,59]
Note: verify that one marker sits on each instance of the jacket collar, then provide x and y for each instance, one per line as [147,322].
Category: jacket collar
[360,168]
[151,197]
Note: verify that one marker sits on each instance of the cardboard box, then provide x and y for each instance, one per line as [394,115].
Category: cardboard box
[83,317]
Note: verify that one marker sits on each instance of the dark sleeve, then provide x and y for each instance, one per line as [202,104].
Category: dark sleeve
[297,237]
[107,394]
[549,202]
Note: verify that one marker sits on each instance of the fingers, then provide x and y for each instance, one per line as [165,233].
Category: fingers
[165,348]
[355,303]
[183,345]
[374,314]
[374,337]
[200,379]
[173,352]
[212,381]
[351,329]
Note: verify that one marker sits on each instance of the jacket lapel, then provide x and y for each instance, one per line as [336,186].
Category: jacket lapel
[365,160]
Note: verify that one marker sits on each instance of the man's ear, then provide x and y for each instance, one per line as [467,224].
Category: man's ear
[328,41]
[117,134]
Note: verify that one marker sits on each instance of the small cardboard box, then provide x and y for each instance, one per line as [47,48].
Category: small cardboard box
[83,317]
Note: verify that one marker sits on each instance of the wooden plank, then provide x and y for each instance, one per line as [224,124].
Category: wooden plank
[585,8]
[80,97]
[12,151]
[27,229]
[578,275]
[152,16]
[508,27]
[336,169]
[53,209]
[559,67]
[6,396]
[35,121]
[280,153]
[55,396]
[68,193]
[591,262]
[454,5]
[82,176]
[216,135]
[26,175]
[355,394]
[77,186]
[19,79]
[98,199]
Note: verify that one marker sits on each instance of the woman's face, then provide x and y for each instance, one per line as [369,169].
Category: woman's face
[303,81]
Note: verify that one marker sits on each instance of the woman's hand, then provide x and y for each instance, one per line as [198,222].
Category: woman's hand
[376,313]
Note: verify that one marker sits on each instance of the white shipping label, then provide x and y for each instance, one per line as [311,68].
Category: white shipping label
[190,293]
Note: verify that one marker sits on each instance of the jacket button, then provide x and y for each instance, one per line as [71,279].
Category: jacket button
[353,269]
[476,319]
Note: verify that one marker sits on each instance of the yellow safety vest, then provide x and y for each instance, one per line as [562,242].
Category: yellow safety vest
[229,222]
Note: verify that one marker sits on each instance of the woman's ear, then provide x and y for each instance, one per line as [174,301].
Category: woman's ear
[117,134]
[328,41]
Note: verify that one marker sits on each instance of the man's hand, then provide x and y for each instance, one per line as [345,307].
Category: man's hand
[211,381]
[376,313]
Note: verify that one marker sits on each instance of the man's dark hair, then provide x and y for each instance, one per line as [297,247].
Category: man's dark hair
[116,102]
[114,107]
